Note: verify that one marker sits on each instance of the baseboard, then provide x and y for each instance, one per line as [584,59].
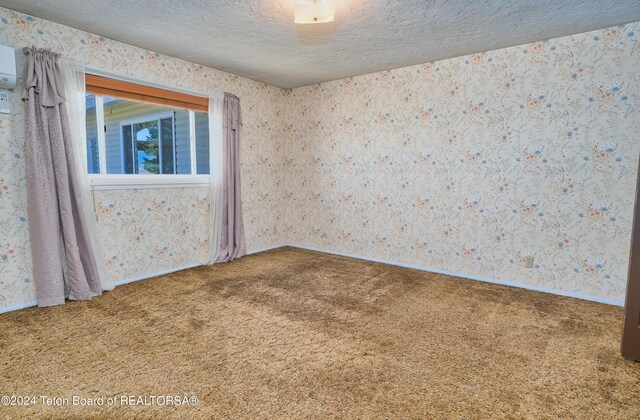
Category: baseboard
[256,251]
[149,276]
[19,306]
[468,276]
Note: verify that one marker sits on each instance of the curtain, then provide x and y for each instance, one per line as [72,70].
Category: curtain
[75,95]
[215,183]
[57,221]
[232,240]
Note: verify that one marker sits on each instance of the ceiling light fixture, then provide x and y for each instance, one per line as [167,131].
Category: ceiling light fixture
[314,11]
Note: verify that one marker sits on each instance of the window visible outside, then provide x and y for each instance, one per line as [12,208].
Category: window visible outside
[145,139]
[149,145]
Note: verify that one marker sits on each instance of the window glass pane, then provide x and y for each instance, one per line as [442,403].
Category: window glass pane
[93,164]
[202,142]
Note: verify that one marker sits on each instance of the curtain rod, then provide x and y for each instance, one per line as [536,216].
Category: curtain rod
[114,75]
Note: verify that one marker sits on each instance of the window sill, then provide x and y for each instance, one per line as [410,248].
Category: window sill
[135,182]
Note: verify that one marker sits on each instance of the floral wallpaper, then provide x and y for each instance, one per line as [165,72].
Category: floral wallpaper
[470,165]
[473,164]
[15,253]
[168,231]
[157,230]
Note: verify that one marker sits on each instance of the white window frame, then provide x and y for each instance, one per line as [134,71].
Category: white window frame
[106,181]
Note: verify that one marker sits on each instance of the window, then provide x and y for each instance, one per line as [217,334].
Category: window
[139,134]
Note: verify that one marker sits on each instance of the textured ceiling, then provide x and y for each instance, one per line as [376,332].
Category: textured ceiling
[258,39]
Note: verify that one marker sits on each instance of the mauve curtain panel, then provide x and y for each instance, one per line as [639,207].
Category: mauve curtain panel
[57,223]
[232,241]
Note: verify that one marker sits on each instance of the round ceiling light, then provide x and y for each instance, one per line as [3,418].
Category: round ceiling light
[314,11]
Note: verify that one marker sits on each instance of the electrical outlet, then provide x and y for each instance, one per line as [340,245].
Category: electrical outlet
[528,261]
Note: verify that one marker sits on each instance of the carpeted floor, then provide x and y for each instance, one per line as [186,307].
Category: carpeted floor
[290,333]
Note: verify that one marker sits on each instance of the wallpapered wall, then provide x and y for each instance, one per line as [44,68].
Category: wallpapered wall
[471,164]
[145,231]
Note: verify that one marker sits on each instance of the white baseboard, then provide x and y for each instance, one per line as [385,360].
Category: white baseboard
[470,277]
[19,306]
[255,251]
[161,273]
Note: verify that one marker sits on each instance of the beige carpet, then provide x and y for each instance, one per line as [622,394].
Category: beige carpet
[298,334]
